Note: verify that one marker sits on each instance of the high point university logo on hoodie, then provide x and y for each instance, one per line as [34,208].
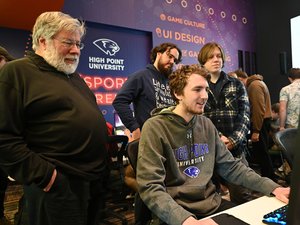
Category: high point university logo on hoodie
[195,155]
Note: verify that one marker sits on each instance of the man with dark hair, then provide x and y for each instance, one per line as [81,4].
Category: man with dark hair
[261,114]
[180,149]
[4,58]
[148,88]
[261,117]
[289,100]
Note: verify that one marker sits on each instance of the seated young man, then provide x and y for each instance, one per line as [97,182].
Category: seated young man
[179,150]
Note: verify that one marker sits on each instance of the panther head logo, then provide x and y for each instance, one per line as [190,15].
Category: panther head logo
[192,171]
[109,47]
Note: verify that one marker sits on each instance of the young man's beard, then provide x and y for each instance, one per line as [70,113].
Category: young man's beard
[165,71]
[193,111]
[57,61]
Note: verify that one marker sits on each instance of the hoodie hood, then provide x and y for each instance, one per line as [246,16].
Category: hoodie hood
[155,72]
[164,110]
[172,116]
[254,78]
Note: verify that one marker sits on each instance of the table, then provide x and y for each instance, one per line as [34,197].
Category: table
[253,211]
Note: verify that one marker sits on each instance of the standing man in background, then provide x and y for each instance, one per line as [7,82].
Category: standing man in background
[261,118]
[228,108]
[261,114]
[52,132]
[4,58]
[289,100]
[148,88]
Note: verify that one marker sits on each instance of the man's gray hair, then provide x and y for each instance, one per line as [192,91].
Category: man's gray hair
[48,24]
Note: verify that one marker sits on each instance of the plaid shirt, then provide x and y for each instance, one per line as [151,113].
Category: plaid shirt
[230,113]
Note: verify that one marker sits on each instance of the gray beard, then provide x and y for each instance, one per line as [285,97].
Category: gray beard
[51,56]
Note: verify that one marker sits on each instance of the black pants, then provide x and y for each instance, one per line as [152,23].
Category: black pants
[260,151]
[70,201]
[3,186]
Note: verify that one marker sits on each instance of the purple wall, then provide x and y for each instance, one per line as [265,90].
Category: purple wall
[188,23]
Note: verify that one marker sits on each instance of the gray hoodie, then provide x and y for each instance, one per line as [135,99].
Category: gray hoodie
[175,166]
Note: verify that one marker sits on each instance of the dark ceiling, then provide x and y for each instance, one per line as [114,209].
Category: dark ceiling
[22,14]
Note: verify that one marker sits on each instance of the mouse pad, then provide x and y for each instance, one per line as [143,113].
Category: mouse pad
[226,219]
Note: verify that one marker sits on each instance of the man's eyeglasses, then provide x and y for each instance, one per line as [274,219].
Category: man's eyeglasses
[70,44]
[168,53]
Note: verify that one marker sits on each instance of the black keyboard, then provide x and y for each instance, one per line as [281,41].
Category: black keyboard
[278,216]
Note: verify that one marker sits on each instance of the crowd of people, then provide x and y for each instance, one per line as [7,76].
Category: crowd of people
[193,123]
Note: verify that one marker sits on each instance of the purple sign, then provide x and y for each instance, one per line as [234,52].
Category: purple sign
[188,23]
[109,56]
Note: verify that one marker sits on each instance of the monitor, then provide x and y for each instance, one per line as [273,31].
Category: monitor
[295,43]
[118,125]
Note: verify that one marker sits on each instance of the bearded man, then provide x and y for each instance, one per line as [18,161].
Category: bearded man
[147,89]
[52,132]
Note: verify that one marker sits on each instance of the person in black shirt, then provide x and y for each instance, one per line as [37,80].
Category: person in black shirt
[53,135]
[147,89]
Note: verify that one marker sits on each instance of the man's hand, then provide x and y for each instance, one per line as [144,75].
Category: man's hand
[227,142]
[136,134]
[192,221]
[255,137]
[48,187]
[282,194]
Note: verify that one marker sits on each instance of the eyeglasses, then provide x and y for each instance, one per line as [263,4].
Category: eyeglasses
[168,53]
[69,43]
